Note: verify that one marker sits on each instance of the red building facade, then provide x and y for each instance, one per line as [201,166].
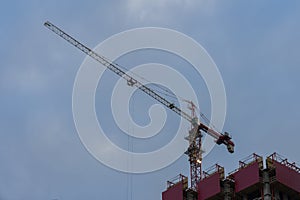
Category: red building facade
[279,180]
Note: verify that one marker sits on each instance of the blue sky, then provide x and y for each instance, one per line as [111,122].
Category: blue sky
[255,45]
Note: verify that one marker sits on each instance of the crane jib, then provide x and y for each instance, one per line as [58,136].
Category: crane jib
[221,138]
[113,67]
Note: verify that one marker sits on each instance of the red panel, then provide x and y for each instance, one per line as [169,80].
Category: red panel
[174,193]
[209,187]
[246,177]
[287,176]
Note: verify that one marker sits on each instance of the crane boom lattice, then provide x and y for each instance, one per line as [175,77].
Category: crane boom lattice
[194,151]
[114,67]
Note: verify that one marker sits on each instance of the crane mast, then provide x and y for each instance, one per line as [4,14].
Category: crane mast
[194,151]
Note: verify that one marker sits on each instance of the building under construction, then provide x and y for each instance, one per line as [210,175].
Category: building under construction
[279,179]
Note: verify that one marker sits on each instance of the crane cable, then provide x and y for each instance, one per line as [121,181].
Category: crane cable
[168,93]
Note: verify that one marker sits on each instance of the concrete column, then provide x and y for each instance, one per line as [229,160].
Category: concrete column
[227,192]
[267,188]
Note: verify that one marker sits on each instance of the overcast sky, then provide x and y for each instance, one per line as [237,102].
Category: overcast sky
[255,45]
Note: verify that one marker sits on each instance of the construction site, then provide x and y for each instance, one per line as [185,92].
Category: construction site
[270,178]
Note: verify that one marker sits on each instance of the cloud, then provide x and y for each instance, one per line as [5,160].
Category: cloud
[157,10]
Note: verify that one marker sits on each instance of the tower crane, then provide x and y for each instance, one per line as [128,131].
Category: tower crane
[194,151]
